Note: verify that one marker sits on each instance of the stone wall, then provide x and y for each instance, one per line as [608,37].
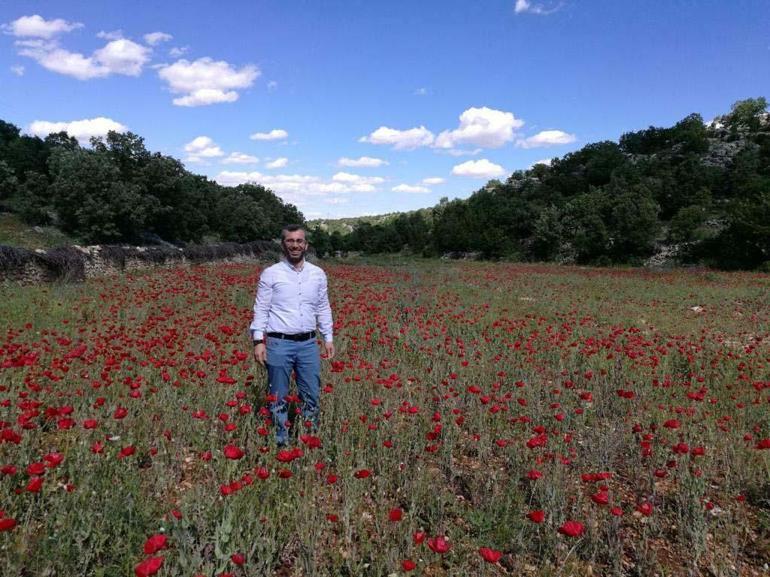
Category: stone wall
[77,263]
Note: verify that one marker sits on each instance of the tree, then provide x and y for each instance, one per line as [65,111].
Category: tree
[749,114]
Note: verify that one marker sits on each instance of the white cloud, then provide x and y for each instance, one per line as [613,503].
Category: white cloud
[123,57]
[400,139]
[362,162]
[206,81]
[83,130]
[112,35]
[357,179]
[200,148]
[420,92]
[433,180]
[178,51]
[478,169]
[528,7]
[485,127]
[18,70]
[410,189]
[240,158]
[275,134]
[547,138]
[295,188]
[116,57]
[278,163]
[546,161]
[154,38]
[36,26]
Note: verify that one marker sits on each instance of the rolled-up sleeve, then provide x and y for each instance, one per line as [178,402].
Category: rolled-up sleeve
[324,311]
[262,306]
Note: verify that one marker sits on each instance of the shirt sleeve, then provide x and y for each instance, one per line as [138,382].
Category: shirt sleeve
[261,306]
[324,313]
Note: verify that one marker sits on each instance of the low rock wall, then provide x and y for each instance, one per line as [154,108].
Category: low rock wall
[77,263]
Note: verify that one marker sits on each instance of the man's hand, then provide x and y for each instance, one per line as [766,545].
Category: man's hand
[260,353]
[329,346]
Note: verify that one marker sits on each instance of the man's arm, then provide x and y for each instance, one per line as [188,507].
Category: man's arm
[259,322]
[324,315]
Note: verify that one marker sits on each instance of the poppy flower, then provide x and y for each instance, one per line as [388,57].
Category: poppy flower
[418,537]
[439,544]
[149,566]
[233,452]
[490,555]
[408,565]
[6,524]
[395,515]
[155,544]
[238,558]
[572,528]
[536,516]
[362,474]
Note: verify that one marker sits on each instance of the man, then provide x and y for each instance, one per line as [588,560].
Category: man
[291,301]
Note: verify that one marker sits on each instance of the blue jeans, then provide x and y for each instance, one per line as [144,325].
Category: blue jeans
[283,357]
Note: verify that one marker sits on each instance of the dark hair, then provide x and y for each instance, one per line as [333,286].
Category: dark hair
[291,228]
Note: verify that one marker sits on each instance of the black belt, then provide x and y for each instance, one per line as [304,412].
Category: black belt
[296,337]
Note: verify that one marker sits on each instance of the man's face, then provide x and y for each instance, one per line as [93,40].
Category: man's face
[294,246]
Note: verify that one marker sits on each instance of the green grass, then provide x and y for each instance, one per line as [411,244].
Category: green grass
[14,232]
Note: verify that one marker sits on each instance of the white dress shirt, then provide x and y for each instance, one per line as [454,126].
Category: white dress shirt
[292,301]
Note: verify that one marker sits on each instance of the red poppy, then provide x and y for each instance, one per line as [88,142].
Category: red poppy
[490,555]
[439,544]
[362,474]
[6,524]
[149,566]
[536,516]
[238,558]
[572,528]
[395,514]
[408,565]
[233,452]
[155,544]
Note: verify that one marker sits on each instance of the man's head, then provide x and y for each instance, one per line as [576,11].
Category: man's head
[293,243]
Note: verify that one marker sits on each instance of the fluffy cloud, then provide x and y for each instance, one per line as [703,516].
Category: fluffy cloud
[275,134]
[478,169]
[546,161]
[36,26]
[295,188]
[206,81]
[433,180]
[410,189]
[116,57]
[278,163]
[18,70]
[201,148]
[83,130]
[240,158]
[400,139]
[485,127]
[362,162]
[547,138]
[123,57]
[528,7]
[154,38]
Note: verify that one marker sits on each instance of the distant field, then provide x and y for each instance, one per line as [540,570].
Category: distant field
[479,419]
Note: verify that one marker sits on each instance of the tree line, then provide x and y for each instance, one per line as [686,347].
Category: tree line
[700,191]
[118,191]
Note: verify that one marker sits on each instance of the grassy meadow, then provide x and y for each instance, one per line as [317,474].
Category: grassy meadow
[478,419]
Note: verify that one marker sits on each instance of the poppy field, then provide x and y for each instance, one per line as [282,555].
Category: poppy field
[478,419]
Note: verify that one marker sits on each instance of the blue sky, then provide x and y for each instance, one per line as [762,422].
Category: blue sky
[356,107]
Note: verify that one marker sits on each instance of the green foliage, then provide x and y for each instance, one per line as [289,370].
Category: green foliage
[706,187]
[117,191]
